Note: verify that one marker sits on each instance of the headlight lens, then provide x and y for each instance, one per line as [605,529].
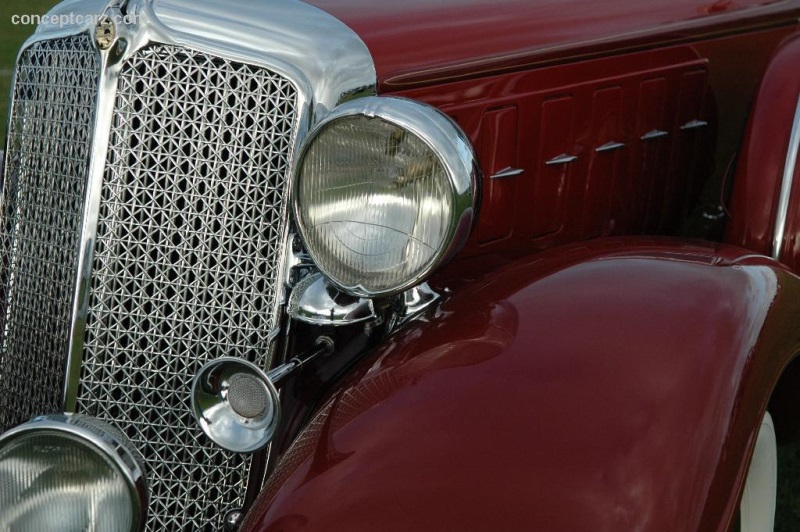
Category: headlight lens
[57,474]
[384,194]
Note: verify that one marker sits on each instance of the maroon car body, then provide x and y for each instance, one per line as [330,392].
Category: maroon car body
[608,385]
[608,340]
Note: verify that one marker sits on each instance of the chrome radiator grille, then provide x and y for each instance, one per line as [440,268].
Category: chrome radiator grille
[187,259]
[186,265]
[47,160]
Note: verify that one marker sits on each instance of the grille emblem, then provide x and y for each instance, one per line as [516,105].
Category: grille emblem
[104,33]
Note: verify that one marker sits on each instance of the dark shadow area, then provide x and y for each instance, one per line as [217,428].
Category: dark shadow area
[787,513]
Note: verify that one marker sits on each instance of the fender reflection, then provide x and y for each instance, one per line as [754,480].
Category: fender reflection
[610,386]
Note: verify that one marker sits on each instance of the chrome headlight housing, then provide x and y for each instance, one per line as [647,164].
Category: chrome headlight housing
[384,193]
[70,472]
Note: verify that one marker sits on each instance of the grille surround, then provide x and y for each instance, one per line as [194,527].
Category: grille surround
[143,389]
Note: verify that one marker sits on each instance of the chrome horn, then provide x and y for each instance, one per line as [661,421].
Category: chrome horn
[237,404]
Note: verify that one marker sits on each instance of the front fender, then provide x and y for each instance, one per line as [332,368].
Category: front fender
[609,386]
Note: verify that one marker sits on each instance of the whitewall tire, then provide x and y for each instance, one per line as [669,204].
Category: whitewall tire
[757,508]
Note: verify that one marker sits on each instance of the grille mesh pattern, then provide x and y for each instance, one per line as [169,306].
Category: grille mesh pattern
[47,165]
[186,264]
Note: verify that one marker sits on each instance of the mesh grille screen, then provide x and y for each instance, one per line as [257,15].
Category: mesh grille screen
[186,264]
[47,165]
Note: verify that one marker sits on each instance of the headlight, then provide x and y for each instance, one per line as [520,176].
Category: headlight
[384,193]
[69,473]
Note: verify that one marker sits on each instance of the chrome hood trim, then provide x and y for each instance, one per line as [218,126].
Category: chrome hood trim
[331,57]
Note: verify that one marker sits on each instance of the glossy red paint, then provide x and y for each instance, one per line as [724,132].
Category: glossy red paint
[523,119]
[759,174]
[531,80]
[608,386]
[421,42]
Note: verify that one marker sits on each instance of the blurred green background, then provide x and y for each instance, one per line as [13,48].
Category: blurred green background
[11,38]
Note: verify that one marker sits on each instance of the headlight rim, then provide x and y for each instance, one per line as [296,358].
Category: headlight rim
[446,140]
[92,432]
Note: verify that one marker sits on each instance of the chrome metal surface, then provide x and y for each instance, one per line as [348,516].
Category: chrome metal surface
[104,108]
[235,404]
[233,520]
[507,172]
[110,442]
[309,43]
[325,63]
[316,300]
[331,56]
[446,140]
[50,138]
[610,146]
[322,347]
[562,159]
[284,371]
[190,233]
[418,299]
[786,184]
[694,124]
[136,38]
[654,134]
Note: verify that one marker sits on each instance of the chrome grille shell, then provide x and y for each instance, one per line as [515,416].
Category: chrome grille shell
[188,250]
[326,64]
[47,159]
[190,231]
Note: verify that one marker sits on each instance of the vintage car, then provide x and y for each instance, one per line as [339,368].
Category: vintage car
[272,265]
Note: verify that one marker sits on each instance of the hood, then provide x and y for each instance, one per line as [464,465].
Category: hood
[417,42]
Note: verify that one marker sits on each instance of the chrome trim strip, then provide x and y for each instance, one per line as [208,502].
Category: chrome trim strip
[610,146]
[694,124]
[654,134]
[562,159]
[507,172]
[104,111]
[786,185]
